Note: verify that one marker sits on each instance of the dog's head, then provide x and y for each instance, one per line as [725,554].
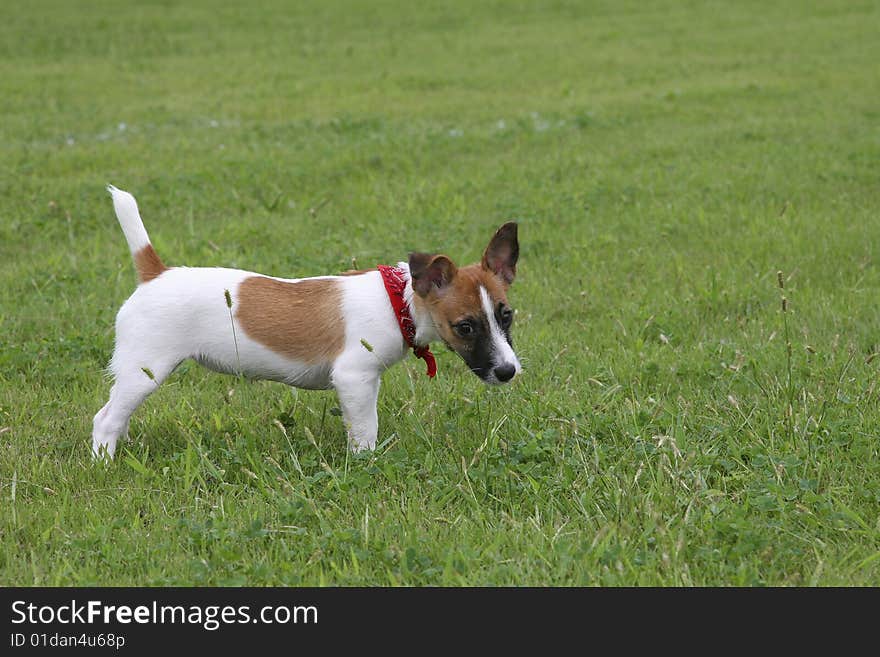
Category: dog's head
[468,305]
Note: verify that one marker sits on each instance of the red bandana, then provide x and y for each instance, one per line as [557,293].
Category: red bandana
[395,282]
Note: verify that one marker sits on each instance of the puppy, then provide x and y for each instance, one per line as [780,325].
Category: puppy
[328,331]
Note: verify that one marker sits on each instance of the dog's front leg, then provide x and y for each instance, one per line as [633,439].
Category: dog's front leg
[358,394]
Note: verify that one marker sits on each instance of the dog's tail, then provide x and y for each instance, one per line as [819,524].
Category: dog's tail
[146,260]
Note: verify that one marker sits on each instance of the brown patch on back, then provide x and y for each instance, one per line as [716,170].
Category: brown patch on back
[148,264]
[462,299]
[301,320]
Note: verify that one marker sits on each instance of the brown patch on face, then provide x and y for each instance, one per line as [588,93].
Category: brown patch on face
[301,320]
[148,264]
[461,300]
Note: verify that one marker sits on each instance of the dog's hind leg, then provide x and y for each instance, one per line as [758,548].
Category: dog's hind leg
[133,385]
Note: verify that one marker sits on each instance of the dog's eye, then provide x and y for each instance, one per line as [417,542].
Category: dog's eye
[506,317]
[464,329]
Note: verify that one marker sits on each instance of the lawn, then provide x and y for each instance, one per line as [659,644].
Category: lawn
[674,424]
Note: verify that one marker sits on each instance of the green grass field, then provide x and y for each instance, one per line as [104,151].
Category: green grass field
[672,425]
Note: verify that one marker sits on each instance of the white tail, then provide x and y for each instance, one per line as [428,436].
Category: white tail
[130,219]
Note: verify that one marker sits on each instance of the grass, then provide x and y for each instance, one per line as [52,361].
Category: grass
[665,160]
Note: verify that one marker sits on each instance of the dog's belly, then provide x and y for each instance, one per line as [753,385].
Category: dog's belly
[298,375]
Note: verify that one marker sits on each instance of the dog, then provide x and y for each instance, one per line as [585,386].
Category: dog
[328,331]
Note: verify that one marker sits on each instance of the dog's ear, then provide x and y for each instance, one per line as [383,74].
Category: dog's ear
[502,253]
[430,272]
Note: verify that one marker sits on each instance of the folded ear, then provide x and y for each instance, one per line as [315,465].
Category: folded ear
[502,253]
[430,272]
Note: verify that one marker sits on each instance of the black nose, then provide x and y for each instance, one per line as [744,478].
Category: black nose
[505,372]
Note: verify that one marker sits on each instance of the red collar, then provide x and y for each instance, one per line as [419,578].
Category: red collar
[395,282]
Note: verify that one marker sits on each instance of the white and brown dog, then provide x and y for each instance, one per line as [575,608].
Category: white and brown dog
[322,332]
